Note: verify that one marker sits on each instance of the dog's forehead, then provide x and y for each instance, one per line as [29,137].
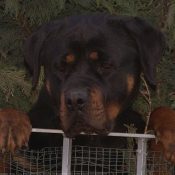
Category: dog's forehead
[81,31]
[92,30]
[89,34]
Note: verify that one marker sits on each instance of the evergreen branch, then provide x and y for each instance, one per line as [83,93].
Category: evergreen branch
[2,6]
[3,55]
[12,79]
[24,23]
[147,96]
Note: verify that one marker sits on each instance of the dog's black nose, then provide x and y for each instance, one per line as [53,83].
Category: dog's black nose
[76,99]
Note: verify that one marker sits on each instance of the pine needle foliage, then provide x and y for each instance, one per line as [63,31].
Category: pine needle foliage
[19,18]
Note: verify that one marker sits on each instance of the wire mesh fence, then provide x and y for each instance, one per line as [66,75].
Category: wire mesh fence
[45,161]
[84,161]
[157,165]
[90,160]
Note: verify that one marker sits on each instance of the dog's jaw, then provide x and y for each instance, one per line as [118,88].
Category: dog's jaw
[81,127]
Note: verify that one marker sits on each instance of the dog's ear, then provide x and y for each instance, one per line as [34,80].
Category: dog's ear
[150,44]
[33,47]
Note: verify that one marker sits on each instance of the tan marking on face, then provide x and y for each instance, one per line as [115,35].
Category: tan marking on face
[93,115]
[96,107]
[70,58]
[48,86]
[130,83]
[113,110]
[66,121]
[96,96]
[63,112]
[94,55]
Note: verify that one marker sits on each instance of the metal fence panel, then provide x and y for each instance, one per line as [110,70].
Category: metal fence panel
[82,160]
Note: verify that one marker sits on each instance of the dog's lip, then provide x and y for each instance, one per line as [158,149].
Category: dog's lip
[82,121]
[83,127]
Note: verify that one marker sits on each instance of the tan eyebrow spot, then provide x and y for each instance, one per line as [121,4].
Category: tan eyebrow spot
[70,58]
[130,83]
[94,55]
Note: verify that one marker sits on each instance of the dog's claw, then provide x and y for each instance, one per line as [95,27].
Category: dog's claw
[156,139]
[17,152]
[25,146]
[3,151]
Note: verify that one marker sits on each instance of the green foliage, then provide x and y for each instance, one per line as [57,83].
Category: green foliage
[20,18]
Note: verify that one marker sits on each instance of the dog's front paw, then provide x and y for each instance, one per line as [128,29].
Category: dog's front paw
[15,130]
[162,121]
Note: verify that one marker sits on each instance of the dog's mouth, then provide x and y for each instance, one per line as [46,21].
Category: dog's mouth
[91,121]
[80,126]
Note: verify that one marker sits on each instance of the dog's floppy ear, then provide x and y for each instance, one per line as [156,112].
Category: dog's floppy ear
[33,47]
[150,45]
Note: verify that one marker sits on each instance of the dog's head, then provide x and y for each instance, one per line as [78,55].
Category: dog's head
[92,66]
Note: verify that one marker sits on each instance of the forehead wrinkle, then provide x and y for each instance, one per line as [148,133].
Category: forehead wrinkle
[84,32]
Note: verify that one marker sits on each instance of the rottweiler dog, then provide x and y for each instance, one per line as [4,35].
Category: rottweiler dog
[92,67]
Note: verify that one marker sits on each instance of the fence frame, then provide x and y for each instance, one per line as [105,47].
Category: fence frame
[67,148]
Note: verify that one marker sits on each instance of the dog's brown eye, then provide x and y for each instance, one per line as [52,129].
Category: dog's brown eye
[57,67]
[105,65]
[61,68]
